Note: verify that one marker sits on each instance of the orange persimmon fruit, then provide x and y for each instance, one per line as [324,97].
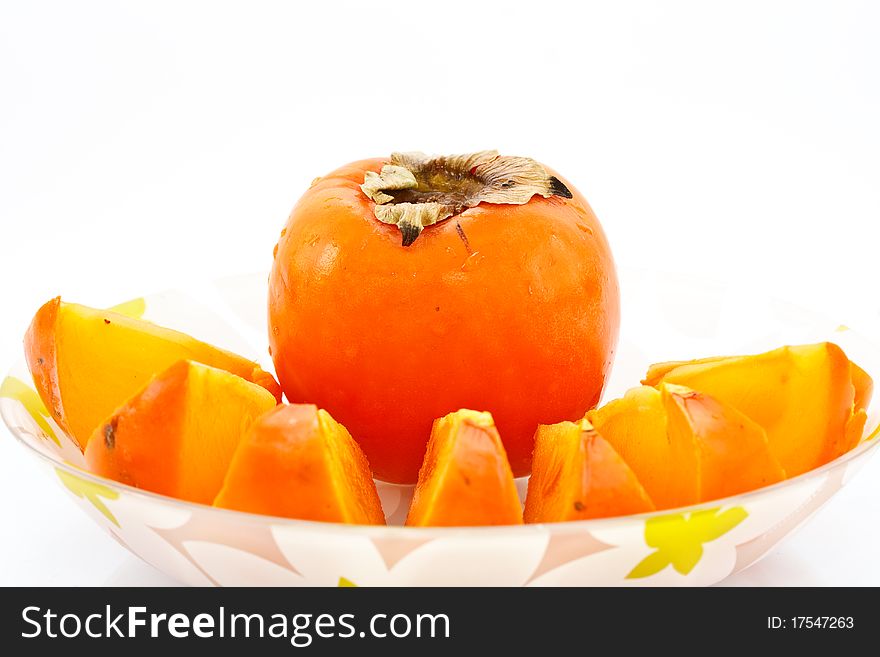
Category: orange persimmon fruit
[296,461]
[465,479]
[806,397]
[506,301]
[734,454]
[85,362]
[577,475]
[177,435]
[666,465]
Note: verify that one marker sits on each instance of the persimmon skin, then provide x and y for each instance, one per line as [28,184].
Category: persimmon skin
[510,308]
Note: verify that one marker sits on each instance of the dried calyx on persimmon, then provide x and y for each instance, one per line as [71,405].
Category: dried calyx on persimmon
[414,190]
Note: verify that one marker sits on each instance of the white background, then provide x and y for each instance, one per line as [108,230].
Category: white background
[145,143]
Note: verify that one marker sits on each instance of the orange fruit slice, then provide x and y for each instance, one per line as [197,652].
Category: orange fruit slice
[666,465]
[577,475]
[86,362]
[465,479]
[296,461]
[803,396]
[178,434]
[735,456]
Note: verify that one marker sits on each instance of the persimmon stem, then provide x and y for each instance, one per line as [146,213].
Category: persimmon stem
[414,191]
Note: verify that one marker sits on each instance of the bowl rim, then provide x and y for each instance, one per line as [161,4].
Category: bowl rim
[862,450]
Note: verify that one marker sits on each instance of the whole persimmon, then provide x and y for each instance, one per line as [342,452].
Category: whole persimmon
[405,288]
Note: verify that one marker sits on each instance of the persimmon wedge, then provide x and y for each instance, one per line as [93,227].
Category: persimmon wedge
[803,396]
[177,435]
[666,465]
[863,386]
[298,462]
[85,362]
[465,479]
[734,454]
[577,475]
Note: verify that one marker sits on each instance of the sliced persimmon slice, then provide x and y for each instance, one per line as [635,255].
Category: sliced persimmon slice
[735,456]
[86,362]
[298,462]
[657,371]
[577,475]
[465,479]
[177,435]
[863,389]
[666,466]
[803,396]
[863,386]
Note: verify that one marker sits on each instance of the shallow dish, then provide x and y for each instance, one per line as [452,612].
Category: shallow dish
[664,317]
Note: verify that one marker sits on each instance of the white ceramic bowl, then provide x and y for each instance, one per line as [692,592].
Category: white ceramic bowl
[664,317]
